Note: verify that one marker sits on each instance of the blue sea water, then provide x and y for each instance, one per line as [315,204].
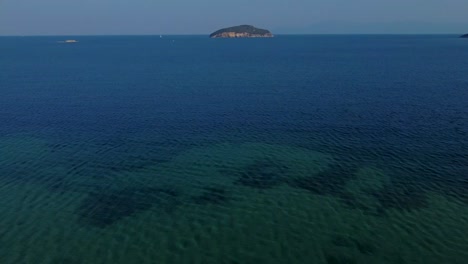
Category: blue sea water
[185,149]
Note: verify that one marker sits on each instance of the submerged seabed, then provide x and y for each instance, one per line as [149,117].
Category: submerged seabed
[223,203]
[297,149]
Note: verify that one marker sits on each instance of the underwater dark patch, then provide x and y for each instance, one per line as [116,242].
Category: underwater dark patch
[348,242]
[457,189]
[61,186]
[328,182]
[365,248]
[107,207]
[403,197]
[212,195]
[351,201]
[20,173]
[334,259]
[132,164]
[343,241]
[263,174]
[64,260]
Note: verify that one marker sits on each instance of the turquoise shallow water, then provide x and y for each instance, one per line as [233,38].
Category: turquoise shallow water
[297,149]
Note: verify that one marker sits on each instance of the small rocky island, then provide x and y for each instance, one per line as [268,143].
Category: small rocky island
[464,36]
[243,31]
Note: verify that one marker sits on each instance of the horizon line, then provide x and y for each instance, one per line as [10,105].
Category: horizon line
[200,34]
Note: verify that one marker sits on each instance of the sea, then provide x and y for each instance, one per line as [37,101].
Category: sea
[301,149]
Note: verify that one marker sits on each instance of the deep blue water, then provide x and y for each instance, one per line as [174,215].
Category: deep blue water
[184,149]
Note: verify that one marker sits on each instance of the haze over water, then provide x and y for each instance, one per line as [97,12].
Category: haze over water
[184,149]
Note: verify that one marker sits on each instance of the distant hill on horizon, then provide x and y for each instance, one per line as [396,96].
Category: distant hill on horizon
[242,31]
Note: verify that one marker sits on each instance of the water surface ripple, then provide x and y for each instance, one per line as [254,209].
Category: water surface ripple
[297,149]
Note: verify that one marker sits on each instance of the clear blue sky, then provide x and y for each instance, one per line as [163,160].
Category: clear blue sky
[70,17]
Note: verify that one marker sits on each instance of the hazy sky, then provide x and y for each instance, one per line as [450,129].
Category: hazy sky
[61,17]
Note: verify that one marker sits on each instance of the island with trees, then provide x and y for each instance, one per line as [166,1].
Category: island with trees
[243,31]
